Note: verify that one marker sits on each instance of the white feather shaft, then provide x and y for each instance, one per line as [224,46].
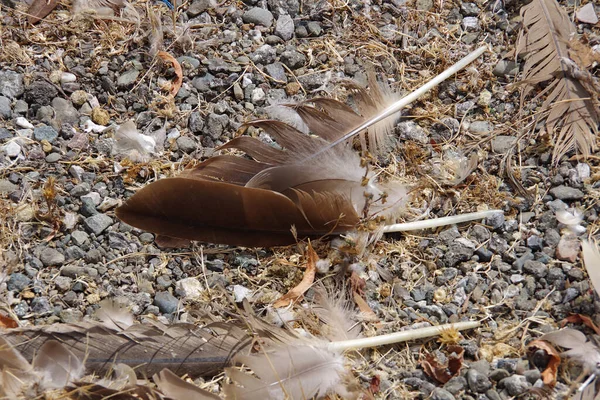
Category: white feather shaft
[398,337]
[406,100]
[437,222]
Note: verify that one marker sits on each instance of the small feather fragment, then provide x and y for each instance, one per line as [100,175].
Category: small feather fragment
[591,261]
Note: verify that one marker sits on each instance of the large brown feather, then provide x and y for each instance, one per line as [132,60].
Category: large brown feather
[219,212]
[148,348]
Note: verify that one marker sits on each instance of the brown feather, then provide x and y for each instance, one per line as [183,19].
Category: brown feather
[219,212]
[39,9]
[281,194]
[148,348]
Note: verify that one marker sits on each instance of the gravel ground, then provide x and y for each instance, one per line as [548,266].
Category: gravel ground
[63,249]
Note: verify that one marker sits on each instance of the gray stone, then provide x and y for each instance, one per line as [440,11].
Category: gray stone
[202,83]
[93,256]
[191,61]
[469,9]
[258,16]
[97,223]
[276,71]
[265,54]
[499,374]
[41,305]
[532,375]
[70,316]
[515,385]
[166,302]
[195,122]
[20,107]
[65,112]
[535,243]
[7,186]
[80,189]
[128,78]
[215,125]
[11,84]
[284,28]
[18,282]
[53,157]
[45,132]
[314,28]
[481,127]
[457,252]
[198,7]
[51,257]
[587,14]
[495,221]
[566,193]
[478,382]
[456,385]
[293,59]
[40,92]
[501,144]
[441,394]
[88,208]
[5,134]
[186,144]
[146,238]
[409,130]
[279,7]
[506,68]
[5,111]
[117,241]
[63,283]
[75,253]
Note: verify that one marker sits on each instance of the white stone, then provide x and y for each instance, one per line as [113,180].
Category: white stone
[108,203]
[23,123]
[76,172]
[12,149]
[67,77]
[587,14]
[240,293]
[190,288]
[70,220]
[258,95]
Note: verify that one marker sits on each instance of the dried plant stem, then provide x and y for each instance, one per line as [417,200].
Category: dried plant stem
[406,100]
[398,337]
[437,222]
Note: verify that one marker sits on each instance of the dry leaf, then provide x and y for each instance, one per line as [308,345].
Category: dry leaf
[581,319]
[178,81]
[443,372]
[307,280]
[7,322]
[549,374]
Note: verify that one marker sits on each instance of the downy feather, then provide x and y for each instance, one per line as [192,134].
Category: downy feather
[287,372]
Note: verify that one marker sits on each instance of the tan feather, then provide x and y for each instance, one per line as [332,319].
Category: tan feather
[287,372]
[591,262]
[177,389]
[571,117]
